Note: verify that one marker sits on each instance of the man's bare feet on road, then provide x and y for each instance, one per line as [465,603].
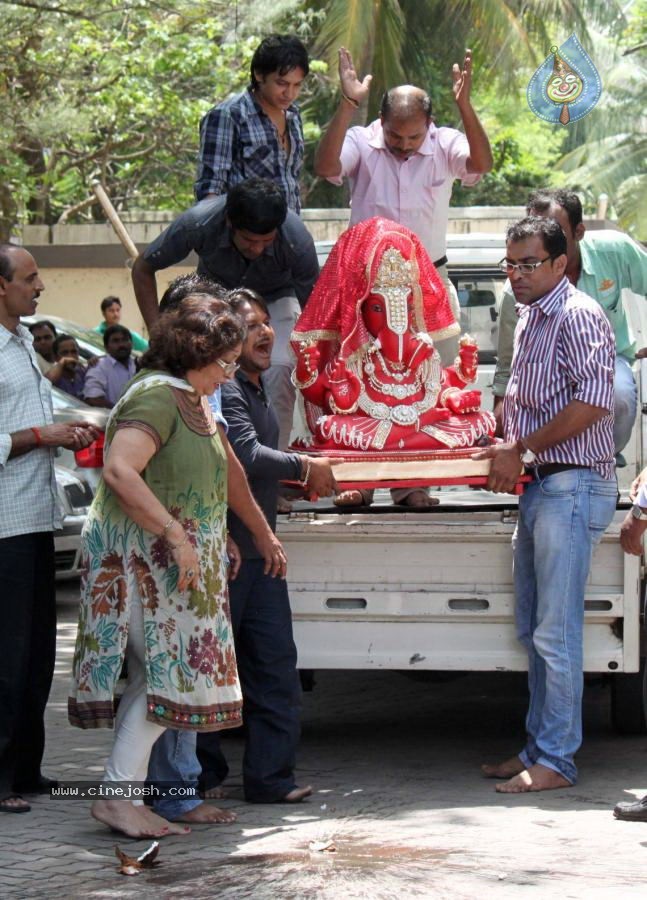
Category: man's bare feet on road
[507,769]
[205,814]
[353,498]
[419,499]
[296,795]
[122,816]
[162,826]
[536,778]
[214,793]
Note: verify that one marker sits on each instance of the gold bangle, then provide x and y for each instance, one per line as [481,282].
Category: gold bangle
[448,392]
[458,368]
[341,412]
[170,522]
[301,385]
[178,546]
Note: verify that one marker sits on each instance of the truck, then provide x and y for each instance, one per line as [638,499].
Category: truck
[423,591]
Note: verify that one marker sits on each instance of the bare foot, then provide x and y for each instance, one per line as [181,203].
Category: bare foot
[208,815]
[419,499]
[352,498]
[536,778]
[507,769]
[214,793]
[162,826]
[121,815]
[296,795]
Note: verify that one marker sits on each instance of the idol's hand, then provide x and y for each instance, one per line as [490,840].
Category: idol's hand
[307,364]
[345,387]
[468,355]
[463,401]
[351,86]
[418,348]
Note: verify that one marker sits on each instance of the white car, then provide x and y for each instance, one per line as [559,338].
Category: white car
[74,496]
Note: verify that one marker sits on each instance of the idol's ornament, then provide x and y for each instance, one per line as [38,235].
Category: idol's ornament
[566,86]
[367,364]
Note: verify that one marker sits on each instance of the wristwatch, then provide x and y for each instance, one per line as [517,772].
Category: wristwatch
[638,512]
[528,456]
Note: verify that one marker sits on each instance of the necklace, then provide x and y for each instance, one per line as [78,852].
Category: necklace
[408,414]
[399,391]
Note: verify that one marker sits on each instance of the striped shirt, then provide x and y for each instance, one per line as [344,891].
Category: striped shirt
[28,495]
[564,350]
[239,141]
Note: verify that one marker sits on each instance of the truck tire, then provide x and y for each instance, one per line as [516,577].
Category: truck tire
[628,701]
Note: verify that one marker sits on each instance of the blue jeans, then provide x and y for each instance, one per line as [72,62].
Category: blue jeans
[267,666]
[173,763]
[561,519]
[625,403]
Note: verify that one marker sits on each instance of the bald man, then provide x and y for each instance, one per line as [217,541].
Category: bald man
[402,166]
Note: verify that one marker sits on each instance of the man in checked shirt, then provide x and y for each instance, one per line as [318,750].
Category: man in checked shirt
[558,423]
[258,133]
[29,514]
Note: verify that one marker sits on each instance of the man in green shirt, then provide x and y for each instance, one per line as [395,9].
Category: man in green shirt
[111,311]
[601,264]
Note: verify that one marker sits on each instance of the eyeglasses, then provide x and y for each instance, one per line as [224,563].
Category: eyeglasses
[229,368]
[522,268]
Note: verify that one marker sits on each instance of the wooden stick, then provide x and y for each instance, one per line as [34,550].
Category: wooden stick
[115,221]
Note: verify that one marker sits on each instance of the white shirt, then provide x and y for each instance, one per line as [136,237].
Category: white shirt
[414,192]
[28,496]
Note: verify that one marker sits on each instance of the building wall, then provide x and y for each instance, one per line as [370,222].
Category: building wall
[81,264]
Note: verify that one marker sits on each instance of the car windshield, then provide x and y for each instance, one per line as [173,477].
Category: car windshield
[89,341]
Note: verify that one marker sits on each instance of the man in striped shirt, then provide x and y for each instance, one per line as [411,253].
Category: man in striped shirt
[558,423]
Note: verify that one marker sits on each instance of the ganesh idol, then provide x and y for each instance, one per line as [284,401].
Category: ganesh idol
[367,366]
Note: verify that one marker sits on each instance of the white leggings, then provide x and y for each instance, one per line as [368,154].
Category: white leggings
[134,734]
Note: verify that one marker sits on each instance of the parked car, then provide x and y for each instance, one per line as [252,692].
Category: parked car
[75,496]
[90,342]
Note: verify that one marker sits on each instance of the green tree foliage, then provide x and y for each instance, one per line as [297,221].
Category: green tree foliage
[116,89]
[113,90]
[606,152]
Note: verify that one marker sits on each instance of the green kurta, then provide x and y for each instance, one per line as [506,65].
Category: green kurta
[192,680]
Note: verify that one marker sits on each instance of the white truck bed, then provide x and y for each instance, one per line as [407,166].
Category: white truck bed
[433,590]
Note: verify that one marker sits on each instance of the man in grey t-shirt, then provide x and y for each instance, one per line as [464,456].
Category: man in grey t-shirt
[247,238]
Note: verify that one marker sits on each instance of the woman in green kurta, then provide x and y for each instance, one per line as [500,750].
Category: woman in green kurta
[154,585]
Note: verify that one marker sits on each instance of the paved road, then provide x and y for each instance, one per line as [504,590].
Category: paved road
[395,766]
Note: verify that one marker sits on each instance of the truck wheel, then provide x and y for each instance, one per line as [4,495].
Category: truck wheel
[628,701]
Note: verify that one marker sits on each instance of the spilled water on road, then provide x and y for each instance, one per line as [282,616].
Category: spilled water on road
[354,869]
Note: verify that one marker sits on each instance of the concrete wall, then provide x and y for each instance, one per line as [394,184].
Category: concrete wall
[81,264]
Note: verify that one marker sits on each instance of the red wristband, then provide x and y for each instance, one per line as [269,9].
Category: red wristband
[37,435]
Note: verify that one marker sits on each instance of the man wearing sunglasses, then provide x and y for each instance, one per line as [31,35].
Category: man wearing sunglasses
[558,424]
[602,264]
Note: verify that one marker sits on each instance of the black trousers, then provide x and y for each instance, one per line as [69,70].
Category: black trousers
[267,666]
[27,653]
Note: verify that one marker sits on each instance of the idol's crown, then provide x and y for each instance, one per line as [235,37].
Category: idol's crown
[394,270]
